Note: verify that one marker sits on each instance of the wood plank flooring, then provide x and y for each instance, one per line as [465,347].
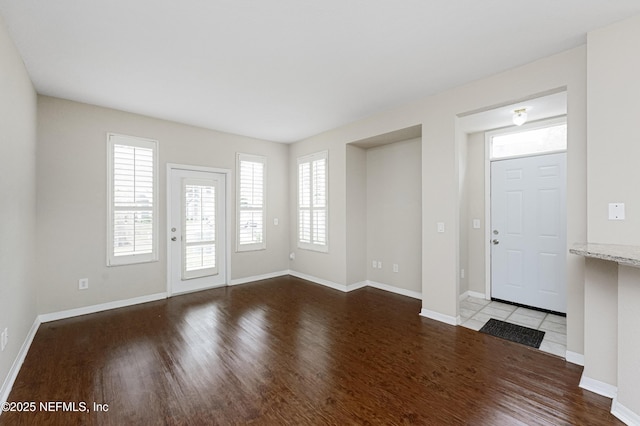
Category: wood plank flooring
[285,351]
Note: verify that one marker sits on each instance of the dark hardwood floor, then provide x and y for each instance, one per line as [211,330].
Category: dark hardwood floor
[285,351]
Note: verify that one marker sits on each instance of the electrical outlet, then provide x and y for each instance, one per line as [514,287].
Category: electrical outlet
[379,265]
[374,264]
[395,267]
[83,283]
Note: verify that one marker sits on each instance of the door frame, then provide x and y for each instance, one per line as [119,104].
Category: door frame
[227,213]
[487,186]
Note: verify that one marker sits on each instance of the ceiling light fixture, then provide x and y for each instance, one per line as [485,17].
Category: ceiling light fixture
[519,116]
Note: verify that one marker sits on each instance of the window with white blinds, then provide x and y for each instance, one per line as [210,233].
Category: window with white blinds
[313,202]
[251,174]
[132,215]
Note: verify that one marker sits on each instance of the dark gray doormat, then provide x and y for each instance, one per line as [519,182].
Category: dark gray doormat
[515,333]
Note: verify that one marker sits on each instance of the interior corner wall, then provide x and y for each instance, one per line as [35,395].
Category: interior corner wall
[330,266]
[72,201]
[394,219]
[18,207]
[356,203]
[463,202]
[476,265]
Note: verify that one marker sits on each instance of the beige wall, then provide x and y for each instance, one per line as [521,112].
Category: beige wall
[601,291]
[613,91]
[72,201]
[440,176]
[463,215]
[394,214]
[18,206]
[475,210]
[614,140]
[356,202]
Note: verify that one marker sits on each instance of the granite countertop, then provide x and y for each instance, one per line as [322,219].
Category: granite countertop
[624,255]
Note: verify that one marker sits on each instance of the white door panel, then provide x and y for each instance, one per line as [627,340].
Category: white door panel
[528,224]
[197,230]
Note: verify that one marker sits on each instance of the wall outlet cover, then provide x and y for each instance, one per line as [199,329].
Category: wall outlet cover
[616,211]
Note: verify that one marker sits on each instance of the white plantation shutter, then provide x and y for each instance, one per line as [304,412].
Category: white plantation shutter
[312,202]
[251,173]
[132,220]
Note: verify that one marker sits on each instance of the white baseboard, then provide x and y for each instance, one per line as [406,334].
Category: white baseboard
[624,414]
[356,286]
[361,284]
[54,316]
[596,386]
[15,368]
[245,280]
[320,281]
[574,358]
[397,290]
[470,293]
[439,317]
[477,295]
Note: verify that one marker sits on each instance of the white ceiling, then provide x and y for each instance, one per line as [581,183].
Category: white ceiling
[284,70]
[538,108]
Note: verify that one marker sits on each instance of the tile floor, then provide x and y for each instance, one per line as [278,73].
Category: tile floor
[474,313]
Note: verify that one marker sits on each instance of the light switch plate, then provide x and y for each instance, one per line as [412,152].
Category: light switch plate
[616,211]
[476,223]
[440,226]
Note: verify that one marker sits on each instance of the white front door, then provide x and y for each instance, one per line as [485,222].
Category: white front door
[528,231]
[197,239]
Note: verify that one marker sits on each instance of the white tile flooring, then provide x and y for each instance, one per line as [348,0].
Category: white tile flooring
[474,313]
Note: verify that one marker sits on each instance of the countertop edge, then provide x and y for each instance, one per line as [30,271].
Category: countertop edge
[621,254]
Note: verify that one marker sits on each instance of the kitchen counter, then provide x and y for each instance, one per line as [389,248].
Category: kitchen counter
[623,255]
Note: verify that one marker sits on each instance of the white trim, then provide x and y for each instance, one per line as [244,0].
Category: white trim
[574,358]
[397,290]
[138,142]
[439,317]
[596,386]
[320,281]
[228,175]
[356,286]
[624,414]
[487,218]
[245,280]
[470,293]
[54,316]
[5,390]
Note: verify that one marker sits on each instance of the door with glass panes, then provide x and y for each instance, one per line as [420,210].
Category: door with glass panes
[196,230]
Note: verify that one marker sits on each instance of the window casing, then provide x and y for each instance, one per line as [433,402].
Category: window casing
[251,190]
[313,212]
[132,223]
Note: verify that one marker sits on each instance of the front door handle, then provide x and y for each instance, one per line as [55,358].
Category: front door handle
[174,239]
[495,242]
